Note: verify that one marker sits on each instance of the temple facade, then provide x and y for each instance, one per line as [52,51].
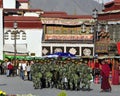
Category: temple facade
[67,33]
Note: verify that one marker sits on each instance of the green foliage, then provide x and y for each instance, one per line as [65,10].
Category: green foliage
[62,93]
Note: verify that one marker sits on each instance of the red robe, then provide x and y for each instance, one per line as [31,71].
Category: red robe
[105,71]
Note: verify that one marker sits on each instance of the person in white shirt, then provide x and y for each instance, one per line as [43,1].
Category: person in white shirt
[23,69]
[28,68]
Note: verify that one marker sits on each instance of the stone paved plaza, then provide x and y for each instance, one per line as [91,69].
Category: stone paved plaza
[15,85]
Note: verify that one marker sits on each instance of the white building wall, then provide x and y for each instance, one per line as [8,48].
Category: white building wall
[33,40]
[1,33]
[9,4]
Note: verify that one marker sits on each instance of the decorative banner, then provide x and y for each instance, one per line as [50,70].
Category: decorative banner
[68,37]
[118,47]
[64,21]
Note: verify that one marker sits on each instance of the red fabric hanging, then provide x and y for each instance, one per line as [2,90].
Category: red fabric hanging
[118,47]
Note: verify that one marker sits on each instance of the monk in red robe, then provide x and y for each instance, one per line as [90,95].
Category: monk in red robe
[105,71]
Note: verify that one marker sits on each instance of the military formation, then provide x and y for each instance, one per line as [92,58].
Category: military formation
[61,73]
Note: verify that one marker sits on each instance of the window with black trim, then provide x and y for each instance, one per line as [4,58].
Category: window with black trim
[6,34]
[13,35]
[23,36]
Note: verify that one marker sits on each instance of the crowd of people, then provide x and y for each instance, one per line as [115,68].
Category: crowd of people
[69,74]
[102,68]
[22,68]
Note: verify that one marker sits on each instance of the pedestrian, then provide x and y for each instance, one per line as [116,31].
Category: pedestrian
[7,70]
[2,68]
[96,70]
[20,68]
[28,69]
[5,66]
[105,71]
[11,69]
[23,69]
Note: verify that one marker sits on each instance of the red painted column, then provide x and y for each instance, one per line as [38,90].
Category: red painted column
[115,73]
[119,73]
[115,77]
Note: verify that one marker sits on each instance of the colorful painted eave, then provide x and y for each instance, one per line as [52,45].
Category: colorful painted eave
[111,2]
[113,5]
[110,16]
[112,11]
[67,16]
[106,4]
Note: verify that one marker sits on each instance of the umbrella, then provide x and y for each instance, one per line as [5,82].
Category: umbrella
[50,56]
[60,54]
